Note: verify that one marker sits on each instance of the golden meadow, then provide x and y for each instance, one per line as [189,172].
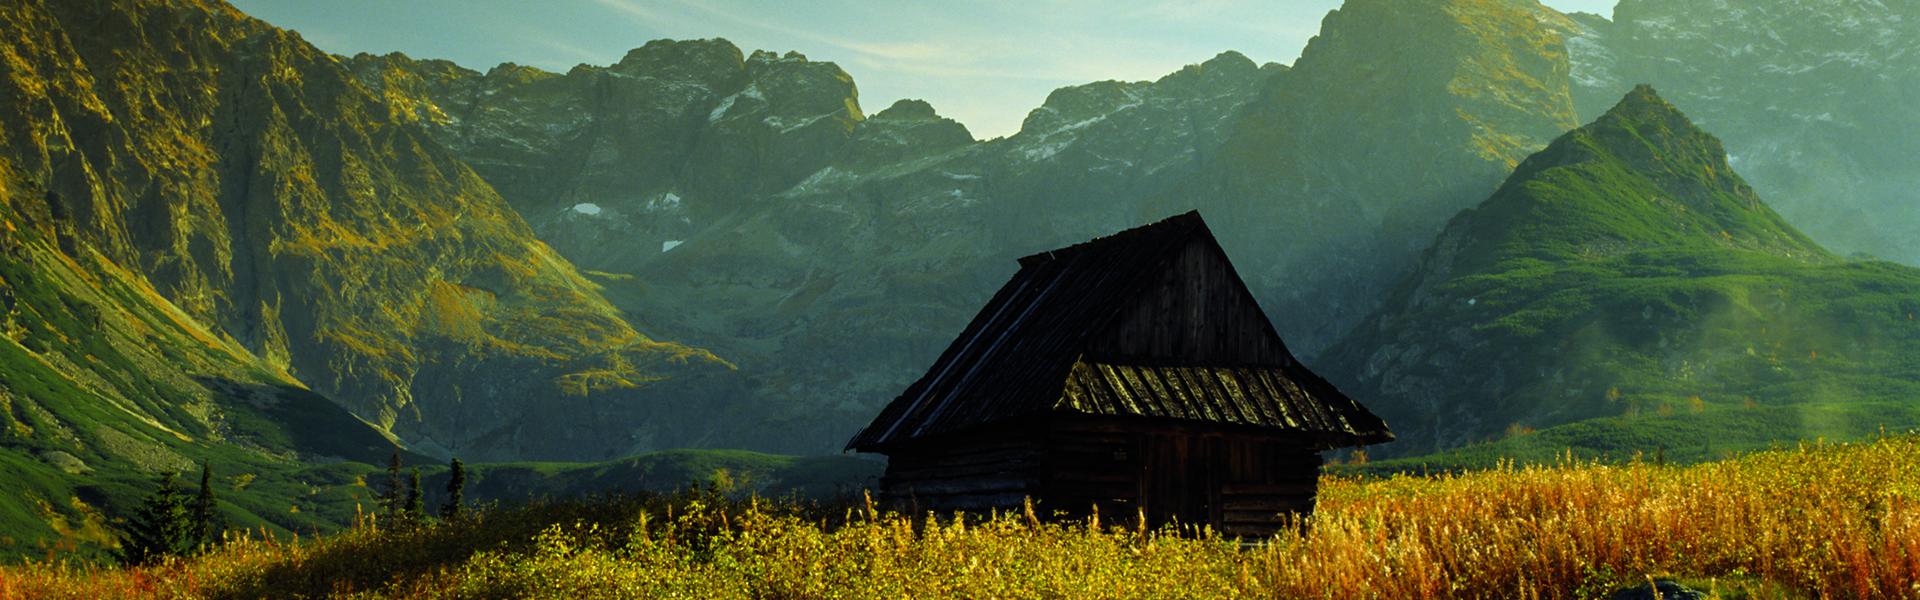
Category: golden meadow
[1815,521]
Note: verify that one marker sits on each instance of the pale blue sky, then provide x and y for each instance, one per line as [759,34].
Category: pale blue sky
[983,63]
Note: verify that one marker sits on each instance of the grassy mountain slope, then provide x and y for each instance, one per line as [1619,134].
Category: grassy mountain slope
[1807,95]
[1626,272]
[214,242]
[247,179]
[103,384]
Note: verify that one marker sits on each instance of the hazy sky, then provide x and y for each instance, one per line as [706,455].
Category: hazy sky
[983,63]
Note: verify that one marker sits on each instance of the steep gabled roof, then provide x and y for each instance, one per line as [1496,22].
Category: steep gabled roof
[1024,354]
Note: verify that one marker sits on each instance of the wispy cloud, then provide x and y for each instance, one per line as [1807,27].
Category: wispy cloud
[559,55]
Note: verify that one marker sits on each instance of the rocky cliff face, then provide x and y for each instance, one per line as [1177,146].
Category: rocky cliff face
[1811,97]
[250,181]
[833,287]
[856,247]
[1396,116]
[610,163]
[844,286]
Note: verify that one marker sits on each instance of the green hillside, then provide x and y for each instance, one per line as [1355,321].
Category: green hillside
[1627,274]
[103,384]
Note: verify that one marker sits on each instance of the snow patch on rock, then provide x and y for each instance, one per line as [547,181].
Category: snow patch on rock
[667,201]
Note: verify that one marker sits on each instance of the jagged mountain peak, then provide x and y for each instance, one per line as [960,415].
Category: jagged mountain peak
[1641,176]
[706,61]
[1229,62]
[1624,268]
[1068,105]
[1224,71]
[772,56]
[1800,92]
[908,109]
[672,50]
[508,71]
[908,129]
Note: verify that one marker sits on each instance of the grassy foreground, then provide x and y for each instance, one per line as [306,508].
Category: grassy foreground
[1812,521]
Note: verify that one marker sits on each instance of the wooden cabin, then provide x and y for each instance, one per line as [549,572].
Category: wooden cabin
[1135,373]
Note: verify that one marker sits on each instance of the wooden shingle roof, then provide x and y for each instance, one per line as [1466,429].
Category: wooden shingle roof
[1025,354]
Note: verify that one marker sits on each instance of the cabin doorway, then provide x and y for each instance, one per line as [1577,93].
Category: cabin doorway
[1182,479]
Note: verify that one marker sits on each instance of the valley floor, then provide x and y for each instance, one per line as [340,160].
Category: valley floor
[1818,520]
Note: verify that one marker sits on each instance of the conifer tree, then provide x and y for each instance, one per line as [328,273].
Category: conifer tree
[456,486]
[162,527]
[413,509]
[390,498]
[207,523]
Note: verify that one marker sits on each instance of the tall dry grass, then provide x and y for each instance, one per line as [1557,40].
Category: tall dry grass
[1839,521]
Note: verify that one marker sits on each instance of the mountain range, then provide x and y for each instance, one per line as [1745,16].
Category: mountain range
[833,273]
[225,245]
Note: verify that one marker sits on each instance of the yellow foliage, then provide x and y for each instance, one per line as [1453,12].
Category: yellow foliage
[1814,521]
[455,311]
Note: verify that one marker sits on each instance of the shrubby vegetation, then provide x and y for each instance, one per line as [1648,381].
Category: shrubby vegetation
[1814,520]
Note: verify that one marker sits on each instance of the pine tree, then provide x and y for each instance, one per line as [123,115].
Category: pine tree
[413,508]
[207,523]
[390,497]
[456,486]
[162,527]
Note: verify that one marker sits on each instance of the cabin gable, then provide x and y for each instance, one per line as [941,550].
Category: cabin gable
[1192,309]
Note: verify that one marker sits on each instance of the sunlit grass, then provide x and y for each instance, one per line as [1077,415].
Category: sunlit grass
[1813,521]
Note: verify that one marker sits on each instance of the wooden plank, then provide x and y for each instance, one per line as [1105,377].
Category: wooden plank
[1304,488]
[1267,503]
[1092,448]
[1125,477]
[966,459]
[1057,490]
[1064,435]
[924,477]
[1010,464]
[1122,424]
[1093,462]
[979,503]
[1194,309]
[934,451]
[969,486]
[958,445]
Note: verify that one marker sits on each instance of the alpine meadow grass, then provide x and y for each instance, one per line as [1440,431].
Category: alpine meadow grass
[1817,521]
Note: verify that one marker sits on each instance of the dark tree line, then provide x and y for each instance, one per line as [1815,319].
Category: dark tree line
[169,523]
[402,499]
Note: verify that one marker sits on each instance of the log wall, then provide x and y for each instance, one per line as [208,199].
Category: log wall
[997,469]
[1242,482]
